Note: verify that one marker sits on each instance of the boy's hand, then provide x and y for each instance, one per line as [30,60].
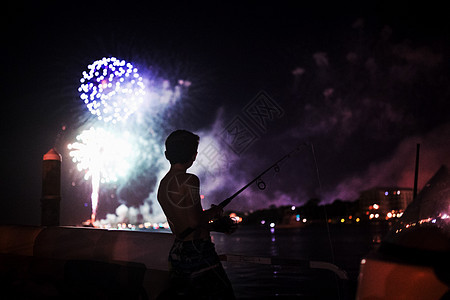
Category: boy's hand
[224,224]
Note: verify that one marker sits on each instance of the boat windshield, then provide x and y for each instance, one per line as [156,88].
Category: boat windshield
[425,224]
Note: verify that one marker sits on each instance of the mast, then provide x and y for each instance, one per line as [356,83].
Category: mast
[416,173]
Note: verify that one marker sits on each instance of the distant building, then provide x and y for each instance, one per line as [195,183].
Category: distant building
[385,202]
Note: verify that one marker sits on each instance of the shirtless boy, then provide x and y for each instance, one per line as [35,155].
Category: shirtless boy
[195,268]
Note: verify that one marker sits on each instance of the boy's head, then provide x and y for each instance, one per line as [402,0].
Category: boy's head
[181,146]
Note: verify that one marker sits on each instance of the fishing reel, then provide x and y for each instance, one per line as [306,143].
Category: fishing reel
[224,224]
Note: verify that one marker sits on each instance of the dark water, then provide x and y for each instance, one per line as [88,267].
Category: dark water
[342,245]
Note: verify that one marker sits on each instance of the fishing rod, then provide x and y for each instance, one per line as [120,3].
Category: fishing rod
[257,179]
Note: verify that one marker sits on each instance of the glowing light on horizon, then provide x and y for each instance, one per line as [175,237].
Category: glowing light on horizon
[103,156]
[142,226]
[235,217]
[112,89]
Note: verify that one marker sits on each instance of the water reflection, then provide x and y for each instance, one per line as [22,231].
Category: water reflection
[342,245]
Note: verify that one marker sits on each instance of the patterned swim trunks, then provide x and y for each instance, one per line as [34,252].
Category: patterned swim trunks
[196,271]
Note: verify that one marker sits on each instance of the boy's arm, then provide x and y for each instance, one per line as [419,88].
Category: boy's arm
[195,215]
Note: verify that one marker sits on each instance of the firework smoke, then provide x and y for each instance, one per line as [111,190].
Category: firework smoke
[362,108]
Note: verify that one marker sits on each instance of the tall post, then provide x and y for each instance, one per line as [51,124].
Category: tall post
[51,188]
[416,173]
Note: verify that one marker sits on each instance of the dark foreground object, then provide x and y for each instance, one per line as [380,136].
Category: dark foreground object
[42,278]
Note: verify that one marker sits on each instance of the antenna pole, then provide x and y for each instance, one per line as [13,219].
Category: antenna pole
[416,173]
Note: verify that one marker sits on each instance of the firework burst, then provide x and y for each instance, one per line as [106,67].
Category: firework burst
[112,89]
[103,156]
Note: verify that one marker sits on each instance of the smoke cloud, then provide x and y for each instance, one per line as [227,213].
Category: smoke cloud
[363,111]
[398,170]
[359,110]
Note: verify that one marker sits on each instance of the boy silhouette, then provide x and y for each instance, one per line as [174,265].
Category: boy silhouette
[194,266]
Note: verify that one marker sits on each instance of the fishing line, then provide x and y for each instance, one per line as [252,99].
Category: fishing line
[326,215]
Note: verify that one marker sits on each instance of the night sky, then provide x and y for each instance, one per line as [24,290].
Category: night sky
[361,83]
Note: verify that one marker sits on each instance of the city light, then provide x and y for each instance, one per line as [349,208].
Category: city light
[235,217]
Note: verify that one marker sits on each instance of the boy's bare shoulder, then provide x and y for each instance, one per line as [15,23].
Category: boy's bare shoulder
[184,179]
[191,179]
[179,182]
[181,177]
[181,190]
